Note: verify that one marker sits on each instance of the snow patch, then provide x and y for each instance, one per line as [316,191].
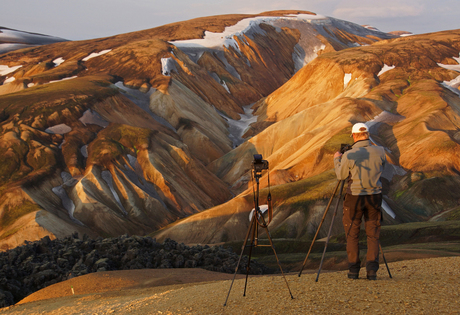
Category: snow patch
[346,79]
[30,85]
[388,210]
[4,48]
[58,61]
[452,67]
[225,86]
[93,55]
[370,27]
[59,129]
[167,66]
[237,128]
[69,78]
[226,38]
[453,85]
[9,80]
[4,70]
[385,69]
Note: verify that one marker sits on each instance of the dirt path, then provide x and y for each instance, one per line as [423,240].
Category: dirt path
[427,286]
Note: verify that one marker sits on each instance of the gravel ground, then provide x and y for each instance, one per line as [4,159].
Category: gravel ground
[426,286]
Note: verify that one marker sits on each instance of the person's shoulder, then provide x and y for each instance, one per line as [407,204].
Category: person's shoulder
[380,149]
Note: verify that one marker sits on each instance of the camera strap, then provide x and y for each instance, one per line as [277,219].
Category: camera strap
[269,202]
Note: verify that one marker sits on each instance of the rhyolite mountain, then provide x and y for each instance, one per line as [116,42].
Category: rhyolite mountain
[146,131]
[11,39]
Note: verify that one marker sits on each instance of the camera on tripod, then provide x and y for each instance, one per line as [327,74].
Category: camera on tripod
[259,165]
[345,147]
[257,220]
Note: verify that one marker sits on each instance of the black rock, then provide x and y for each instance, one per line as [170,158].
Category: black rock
[31,267]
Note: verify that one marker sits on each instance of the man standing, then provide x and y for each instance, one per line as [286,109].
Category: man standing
[363,166]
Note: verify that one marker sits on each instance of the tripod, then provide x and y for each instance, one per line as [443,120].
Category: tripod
[254,231]
[341,183]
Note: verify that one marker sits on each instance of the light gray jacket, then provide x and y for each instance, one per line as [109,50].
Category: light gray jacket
[364,162]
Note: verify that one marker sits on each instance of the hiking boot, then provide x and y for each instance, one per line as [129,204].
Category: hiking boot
[371,275]
[353,276]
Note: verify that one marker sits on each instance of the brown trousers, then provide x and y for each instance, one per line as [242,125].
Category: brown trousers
[354,208]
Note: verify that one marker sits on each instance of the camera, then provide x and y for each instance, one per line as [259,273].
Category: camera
[258,164]
[345,147]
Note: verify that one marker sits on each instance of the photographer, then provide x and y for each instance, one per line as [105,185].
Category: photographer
[363,166]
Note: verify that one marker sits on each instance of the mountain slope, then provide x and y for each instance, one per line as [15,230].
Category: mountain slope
[131,132]
[404,89]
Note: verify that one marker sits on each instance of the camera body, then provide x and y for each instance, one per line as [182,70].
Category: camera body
[345,147]
[259,164]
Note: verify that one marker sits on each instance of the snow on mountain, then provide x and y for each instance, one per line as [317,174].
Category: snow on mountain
[13,39]
[305,52]
[93,55]
[385,69]
[5,70]
[452,67]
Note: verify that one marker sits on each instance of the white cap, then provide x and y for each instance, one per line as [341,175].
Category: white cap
[359,128]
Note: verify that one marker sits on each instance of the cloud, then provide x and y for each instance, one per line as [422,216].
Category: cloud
[386,10]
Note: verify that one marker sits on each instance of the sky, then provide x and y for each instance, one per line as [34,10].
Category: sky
[88,19]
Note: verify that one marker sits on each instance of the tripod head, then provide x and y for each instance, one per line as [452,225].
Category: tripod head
[258,165]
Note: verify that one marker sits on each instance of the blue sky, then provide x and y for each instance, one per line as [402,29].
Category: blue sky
[86,19]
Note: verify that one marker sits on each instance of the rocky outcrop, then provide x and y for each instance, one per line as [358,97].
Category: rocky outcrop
[33,266]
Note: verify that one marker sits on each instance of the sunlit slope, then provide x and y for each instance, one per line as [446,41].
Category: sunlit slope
[412,108]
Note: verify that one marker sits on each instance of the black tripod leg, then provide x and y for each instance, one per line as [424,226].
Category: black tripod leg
[276,256]
[241,255]
[383,256]
[319,227]
[254,233]
[330,229]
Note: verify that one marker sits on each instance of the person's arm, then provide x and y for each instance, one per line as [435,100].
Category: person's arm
[341,166]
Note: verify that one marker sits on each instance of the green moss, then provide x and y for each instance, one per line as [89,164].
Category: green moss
[454,215]
[281,231]
[310,185]
[8,166]
[398,194]
[333,144]
[11,214]
[9,233]
[49,98]
[117,140]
